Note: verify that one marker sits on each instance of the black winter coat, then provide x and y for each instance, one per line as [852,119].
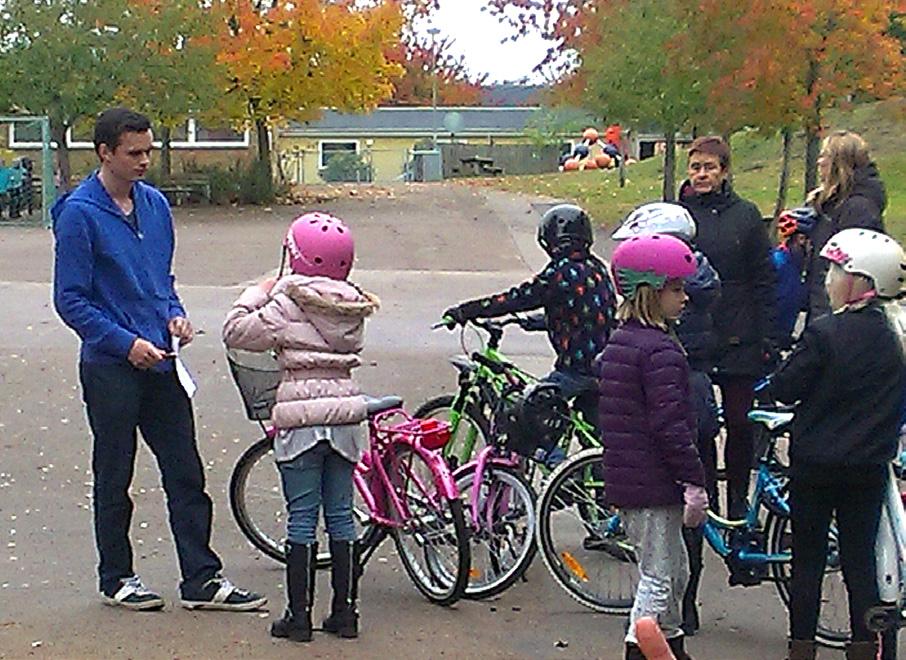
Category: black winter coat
[731,232]
[849,376]
[861,208]
[695,327]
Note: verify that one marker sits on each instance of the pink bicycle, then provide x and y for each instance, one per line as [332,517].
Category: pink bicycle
[405,488]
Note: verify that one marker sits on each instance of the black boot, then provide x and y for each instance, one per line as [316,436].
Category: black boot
[694,541]
[344,578]
[737,500]
[633,652]
[300,592]
[678,646]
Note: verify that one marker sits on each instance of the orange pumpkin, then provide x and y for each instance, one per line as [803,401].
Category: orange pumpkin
[604,161]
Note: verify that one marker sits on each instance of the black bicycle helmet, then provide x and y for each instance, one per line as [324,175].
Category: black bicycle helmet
[564,225]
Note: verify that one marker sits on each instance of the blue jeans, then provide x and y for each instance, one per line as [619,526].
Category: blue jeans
[315,476]
[122,400]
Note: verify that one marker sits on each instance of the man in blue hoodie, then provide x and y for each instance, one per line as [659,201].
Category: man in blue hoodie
[113,285]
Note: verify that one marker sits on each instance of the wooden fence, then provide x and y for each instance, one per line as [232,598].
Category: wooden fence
[512,158]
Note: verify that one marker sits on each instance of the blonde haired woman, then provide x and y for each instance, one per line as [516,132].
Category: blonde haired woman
[851,194]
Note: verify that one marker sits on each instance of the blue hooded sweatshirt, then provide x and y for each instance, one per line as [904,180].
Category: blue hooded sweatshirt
[112,281]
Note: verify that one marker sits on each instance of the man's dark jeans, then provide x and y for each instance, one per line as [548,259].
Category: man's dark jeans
[121,400]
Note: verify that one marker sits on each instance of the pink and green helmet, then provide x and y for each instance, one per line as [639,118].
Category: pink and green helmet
[650,260]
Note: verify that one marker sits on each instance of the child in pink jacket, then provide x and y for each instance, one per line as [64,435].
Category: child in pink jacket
[314,320]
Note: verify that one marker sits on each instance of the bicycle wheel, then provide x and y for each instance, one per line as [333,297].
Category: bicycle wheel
[503,544]
[470,435]
[258,505]
[581,539]
[432,541]
[833,618]
[256,499]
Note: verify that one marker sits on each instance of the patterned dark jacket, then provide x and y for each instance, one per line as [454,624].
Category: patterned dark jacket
[579,304]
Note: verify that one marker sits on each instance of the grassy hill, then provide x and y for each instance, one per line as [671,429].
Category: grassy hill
[756,166]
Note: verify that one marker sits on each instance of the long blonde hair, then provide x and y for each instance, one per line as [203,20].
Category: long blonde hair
[846,152]
[643,306]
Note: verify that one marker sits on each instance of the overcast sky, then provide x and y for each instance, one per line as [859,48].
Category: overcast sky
[477,36]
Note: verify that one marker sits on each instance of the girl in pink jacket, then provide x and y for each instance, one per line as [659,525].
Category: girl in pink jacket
[314,320]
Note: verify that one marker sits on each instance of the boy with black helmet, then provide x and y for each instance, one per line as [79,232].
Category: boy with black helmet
[577,296]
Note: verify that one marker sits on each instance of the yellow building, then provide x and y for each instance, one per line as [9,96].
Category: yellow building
[386,137]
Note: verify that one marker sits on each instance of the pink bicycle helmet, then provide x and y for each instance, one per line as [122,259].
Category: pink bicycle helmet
[320,245]
[651,260]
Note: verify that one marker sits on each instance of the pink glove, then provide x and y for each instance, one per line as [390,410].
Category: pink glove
[696,505]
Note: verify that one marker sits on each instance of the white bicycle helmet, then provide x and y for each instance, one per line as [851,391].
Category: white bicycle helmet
[657,218]
[869,253]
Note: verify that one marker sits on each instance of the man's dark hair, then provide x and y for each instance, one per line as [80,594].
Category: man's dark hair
[113,122]
[713,145]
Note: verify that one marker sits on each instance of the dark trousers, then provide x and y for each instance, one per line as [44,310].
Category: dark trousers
[737,395]
[121,400]
[582,389]
[855,496]
[708,428]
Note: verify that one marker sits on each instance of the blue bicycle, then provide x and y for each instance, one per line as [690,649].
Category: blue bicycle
[590,557]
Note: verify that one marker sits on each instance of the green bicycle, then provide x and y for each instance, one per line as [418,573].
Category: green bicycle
[486,379]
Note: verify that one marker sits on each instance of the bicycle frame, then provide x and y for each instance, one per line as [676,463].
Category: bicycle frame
[767,492]
[374,485]
[484,377]
[489,455]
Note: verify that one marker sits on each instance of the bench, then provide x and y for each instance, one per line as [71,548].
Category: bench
[180,190]
[479,165]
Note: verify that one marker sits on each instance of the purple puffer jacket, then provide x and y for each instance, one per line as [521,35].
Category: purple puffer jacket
[647,420]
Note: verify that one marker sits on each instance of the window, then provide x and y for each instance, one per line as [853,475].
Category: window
[326,150]
[25,135]
[187,135]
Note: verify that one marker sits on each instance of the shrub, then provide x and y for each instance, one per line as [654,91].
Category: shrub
[255,184]
[349,167]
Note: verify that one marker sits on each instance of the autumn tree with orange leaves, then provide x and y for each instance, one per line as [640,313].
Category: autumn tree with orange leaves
[422,61]
[781,64]
[288,60]
[772,64]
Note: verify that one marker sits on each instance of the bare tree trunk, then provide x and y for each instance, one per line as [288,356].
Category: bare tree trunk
[669,165]
[812,146]
[165,159]
[787,136]
[58,134]
[264,145]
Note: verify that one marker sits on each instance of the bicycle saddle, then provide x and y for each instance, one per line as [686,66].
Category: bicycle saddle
[376,405]
[772,420]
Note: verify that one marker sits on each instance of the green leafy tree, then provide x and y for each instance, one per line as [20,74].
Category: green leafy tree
[60,58]
[638,81]
[172,64]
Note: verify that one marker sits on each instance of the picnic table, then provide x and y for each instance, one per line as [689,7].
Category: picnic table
[180,190]
[479,165]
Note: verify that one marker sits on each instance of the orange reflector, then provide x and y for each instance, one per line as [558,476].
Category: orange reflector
[474,573]
[573,565]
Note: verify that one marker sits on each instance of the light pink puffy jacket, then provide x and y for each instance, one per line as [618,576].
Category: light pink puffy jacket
[316,325]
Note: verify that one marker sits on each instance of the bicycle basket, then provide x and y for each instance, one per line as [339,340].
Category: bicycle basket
[536,418]
[431,434]
[257,376]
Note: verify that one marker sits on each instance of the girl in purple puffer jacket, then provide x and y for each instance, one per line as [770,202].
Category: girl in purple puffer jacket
[314,319]
[651,466]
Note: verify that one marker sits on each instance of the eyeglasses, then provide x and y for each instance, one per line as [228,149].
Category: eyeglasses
[704,167]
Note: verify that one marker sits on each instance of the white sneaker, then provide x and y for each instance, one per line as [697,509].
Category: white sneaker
[133,595]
